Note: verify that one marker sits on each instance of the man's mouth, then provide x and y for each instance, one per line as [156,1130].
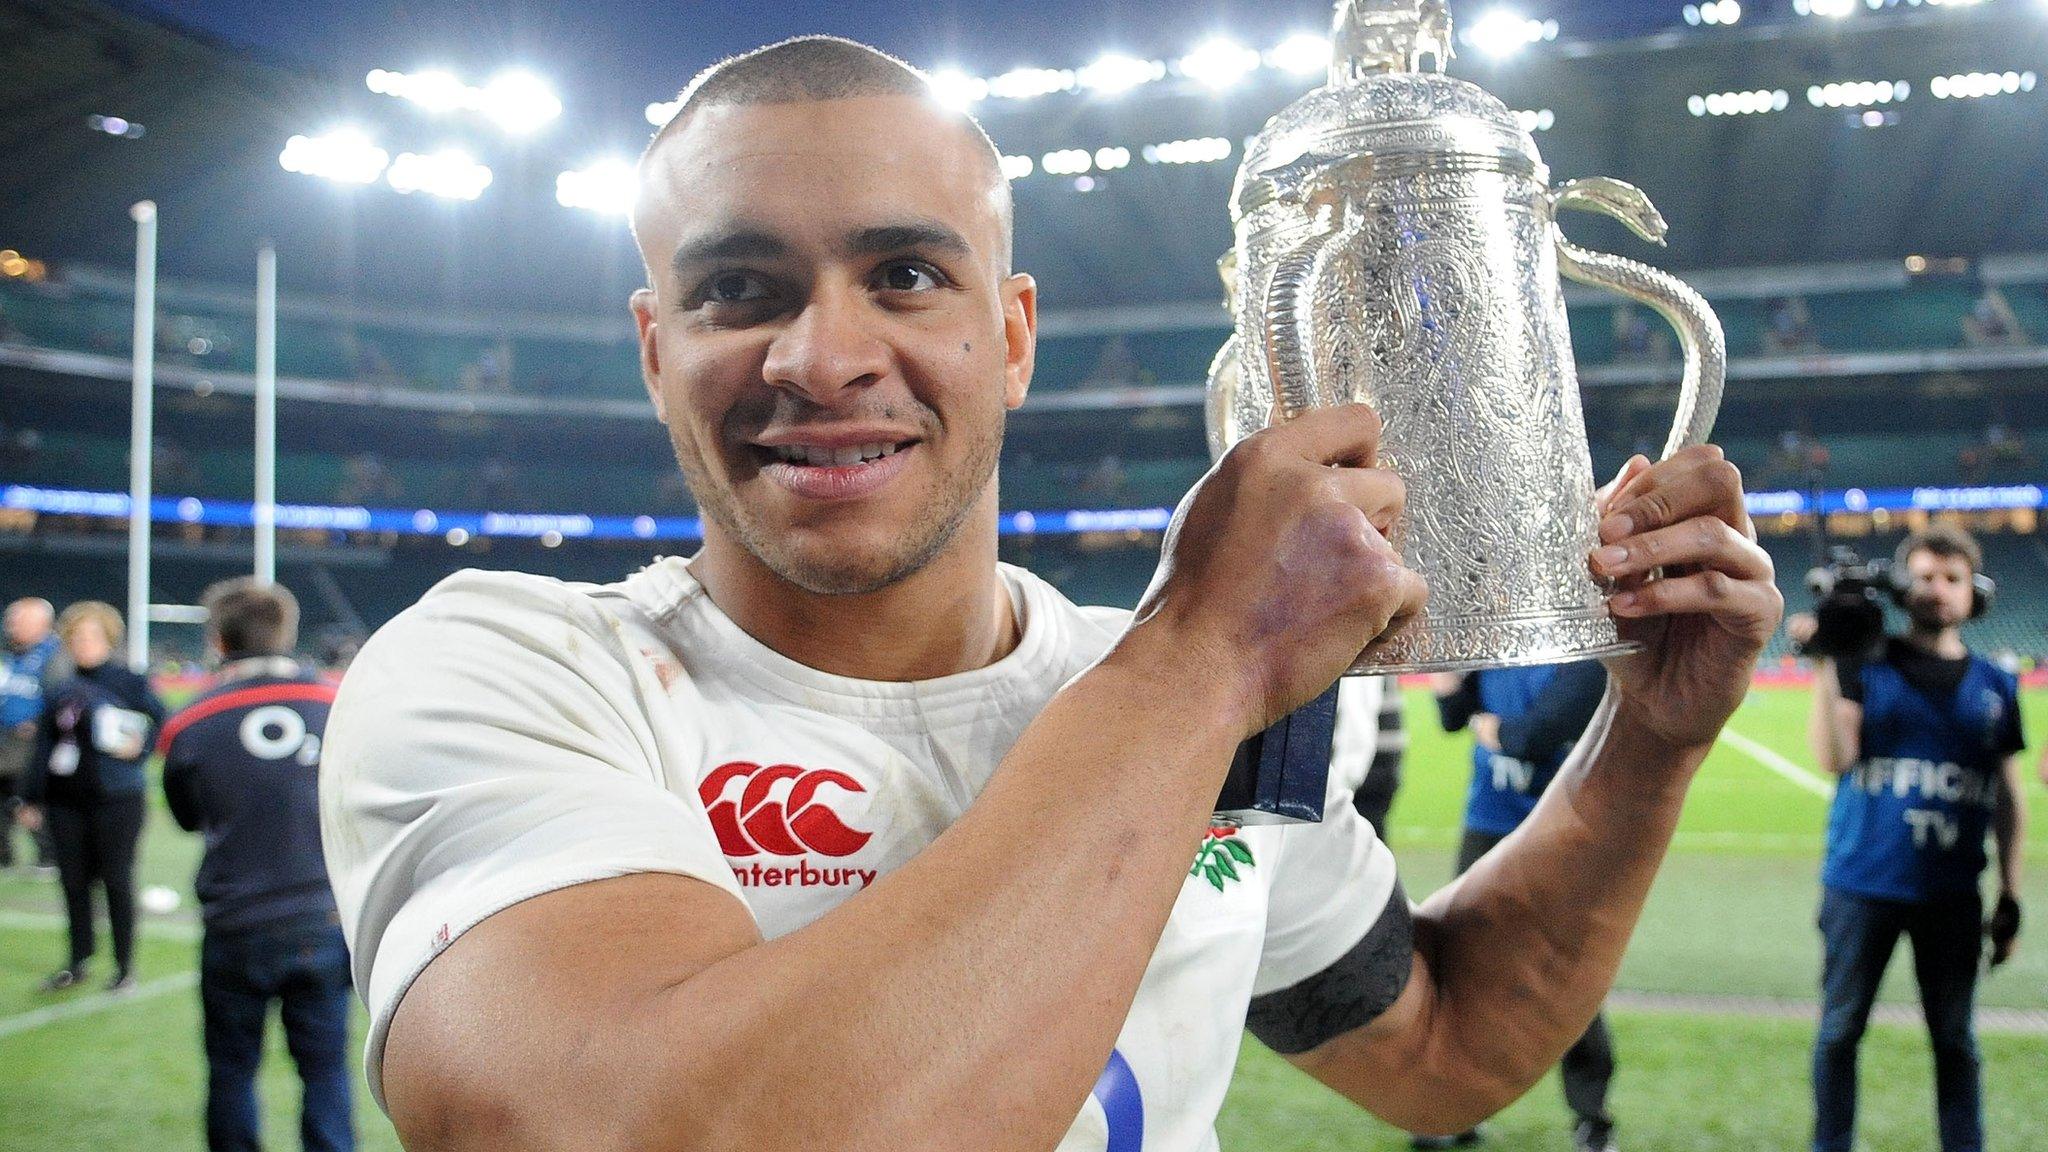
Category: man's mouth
[844,471]
[823,456]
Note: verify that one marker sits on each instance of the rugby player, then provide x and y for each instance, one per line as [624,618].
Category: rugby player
[842,835]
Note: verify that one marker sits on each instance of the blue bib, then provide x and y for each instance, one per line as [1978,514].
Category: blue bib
[1504,790]
[21,682]
[1909,820]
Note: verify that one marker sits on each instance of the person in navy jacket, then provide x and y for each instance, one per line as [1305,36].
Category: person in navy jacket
[85,782]
[1524,723]
[242,767]
[1923,736]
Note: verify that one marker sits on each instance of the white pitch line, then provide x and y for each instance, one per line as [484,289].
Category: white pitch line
[97,1002]
[144,925]
[1770,759]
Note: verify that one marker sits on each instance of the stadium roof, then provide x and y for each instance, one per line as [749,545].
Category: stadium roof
[1803,184]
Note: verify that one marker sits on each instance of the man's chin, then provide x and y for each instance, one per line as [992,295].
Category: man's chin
[849,561]
[1932,621]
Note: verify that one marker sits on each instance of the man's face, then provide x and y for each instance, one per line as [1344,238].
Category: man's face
[832,339]
[27,624]
[1939,594]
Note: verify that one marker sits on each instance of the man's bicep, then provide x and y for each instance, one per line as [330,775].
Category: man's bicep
[528,1030]
[1384,1065]
[1352,993]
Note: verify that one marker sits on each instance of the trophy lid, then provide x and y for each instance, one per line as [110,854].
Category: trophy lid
[1380,107]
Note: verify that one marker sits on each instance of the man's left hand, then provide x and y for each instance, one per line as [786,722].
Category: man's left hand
[1705,617]
[2004,929]
[1486,730]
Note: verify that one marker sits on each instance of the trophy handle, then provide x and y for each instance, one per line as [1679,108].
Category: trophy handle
[1699,332]
[1220,401]
[1286,314]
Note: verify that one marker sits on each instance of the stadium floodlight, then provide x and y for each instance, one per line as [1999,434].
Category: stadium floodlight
[1503,32]
[1751,103]
[1218,62]
[1017,167]
[449,174]
[1202,150]
[1715,13]
[1112,73]
[435,89]
[661,112]
[608,186]
[345,156]
[1977,85]
[515,100]
[519,102]
[1536,119]
[1834,9]
[956,89]
[1066,162]
[1111,159]
[1026,83]
[1858,93]
[1303,54]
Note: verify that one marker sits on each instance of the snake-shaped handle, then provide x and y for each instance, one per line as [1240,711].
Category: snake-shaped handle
[1283,343]
[1700,341]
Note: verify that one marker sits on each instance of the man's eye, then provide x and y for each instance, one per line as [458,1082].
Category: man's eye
[904,276]
[736,288]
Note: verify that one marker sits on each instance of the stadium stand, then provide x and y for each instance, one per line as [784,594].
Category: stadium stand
[211,327]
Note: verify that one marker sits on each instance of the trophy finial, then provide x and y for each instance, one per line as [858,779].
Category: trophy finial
[1370,37]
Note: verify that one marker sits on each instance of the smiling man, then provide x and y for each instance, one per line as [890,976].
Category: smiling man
[842,835]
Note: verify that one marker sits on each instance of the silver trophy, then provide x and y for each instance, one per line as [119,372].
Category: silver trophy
[1396,244]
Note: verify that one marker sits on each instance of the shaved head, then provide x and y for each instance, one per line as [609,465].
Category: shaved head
[29,620]
[803,70]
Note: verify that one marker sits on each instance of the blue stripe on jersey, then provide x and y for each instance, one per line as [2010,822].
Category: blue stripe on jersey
[1123,1106]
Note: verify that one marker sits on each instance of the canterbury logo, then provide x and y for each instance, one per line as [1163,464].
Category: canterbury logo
[801,823]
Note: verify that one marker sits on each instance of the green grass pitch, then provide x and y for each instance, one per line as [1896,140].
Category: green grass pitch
[1732,916]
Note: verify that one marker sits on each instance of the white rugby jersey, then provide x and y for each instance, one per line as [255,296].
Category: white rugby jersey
[511,735]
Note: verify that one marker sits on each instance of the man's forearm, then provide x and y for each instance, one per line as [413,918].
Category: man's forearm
[1524,947]
[996,966]
[2009,831]
[1833,741]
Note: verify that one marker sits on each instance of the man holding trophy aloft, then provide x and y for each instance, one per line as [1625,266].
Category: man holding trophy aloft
[841,834]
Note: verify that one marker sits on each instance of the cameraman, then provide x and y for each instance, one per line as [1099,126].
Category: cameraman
[1922,736]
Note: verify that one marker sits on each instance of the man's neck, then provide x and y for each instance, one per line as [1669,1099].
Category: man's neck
[247,665]
[953,615]
[1946,643]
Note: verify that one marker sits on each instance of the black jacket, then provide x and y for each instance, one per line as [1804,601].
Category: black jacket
[242,766]
[69,766]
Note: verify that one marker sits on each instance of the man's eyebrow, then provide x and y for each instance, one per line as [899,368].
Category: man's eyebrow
[929,234]
[741,245]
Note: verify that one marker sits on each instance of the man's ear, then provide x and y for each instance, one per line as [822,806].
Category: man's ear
[643,304]
[1020,337]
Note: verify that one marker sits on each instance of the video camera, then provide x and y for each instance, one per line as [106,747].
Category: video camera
[1849,594]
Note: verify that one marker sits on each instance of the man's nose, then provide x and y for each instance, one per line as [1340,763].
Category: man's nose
[828,347]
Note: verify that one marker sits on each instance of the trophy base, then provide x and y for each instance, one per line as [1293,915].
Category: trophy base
[1495,642]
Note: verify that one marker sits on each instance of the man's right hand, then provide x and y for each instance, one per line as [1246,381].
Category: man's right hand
[1276,567]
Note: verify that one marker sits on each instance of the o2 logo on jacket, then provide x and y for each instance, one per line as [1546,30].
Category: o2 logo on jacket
[800,823]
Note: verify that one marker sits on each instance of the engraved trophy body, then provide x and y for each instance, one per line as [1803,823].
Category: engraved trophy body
[1396,244]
